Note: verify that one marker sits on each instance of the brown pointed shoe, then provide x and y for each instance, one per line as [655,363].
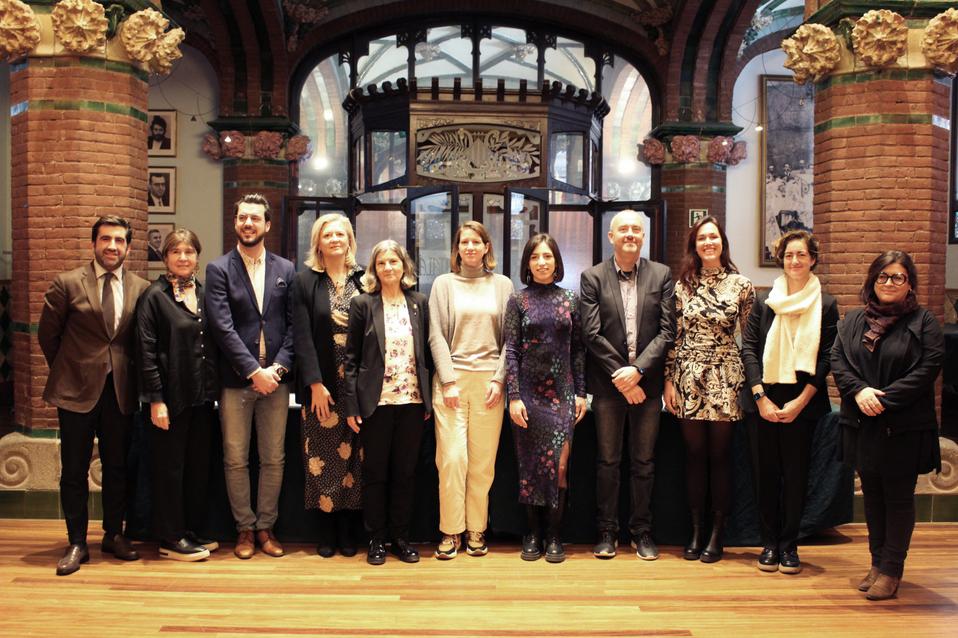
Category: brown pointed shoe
[884,587]
[868,580]
[245,547]
[268,542]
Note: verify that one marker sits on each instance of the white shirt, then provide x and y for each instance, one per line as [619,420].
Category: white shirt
[117,284]
[256,269]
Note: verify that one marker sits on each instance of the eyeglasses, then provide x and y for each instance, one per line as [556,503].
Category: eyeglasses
[898,279]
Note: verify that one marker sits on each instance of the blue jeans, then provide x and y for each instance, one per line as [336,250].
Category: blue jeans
[611,416]
[238,406]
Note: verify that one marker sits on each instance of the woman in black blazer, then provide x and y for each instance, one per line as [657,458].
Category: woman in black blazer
[785,349]
[179,379]
[885,360]
[387,394]
[331,450]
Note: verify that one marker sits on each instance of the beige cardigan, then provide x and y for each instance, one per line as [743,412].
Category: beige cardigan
[442,323]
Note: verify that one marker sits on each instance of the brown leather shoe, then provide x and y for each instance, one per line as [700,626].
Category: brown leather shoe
[868,580]
[885,587]
[120,546]
[245,547]
[72,558]
[267,541]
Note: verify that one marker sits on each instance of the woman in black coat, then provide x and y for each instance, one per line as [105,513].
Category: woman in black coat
[387,394]
[331,450]
[885,361]
[179,379]
[785,350]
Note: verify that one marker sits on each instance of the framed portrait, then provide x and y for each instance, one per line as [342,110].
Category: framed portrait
[155,234]
[161,190]
[786,170]
[161,134]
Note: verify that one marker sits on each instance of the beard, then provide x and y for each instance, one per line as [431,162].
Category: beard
[250,243]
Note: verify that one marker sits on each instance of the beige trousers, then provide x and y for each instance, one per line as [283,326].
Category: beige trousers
[467,439]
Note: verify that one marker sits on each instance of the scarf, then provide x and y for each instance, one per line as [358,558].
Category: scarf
[881,317]
[184,290]
[793,338]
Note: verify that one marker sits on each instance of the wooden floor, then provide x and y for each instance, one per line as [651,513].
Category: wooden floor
[499,595]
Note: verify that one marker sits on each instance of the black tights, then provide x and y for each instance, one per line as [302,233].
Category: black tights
[707,452]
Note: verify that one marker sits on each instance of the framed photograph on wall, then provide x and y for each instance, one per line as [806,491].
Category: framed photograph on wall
[787,141]
[161,134]
[161,190]
[155,234]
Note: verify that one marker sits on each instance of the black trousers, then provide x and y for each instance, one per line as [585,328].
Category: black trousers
[780,460]
[77,431]
[890,516]
[181,468]
[391,436]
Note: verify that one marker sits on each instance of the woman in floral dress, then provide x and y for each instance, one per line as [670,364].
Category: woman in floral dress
[704,375]
[545,362]
[332,454]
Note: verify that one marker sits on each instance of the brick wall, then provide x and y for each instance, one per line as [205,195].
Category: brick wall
[78,151]
[686,186]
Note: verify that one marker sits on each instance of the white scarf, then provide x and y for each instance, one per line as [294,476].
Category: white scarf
[793,338]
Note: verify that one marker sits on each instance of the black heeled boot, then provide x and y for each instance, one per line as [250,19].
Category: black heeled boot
[694,549]
[555,553]
[713,551]
[327,543]
[532,541]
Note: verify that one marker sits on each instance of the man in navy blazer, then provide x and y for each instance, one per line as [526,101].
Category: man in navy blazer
[251,317]
[628,324]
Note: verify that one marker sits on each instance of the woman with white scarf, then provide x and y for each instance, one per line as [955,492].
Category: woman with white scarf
[785,350]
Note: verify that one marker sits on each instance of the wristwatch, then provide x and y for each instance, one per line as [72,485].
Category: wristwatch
[758,395]
[281,371]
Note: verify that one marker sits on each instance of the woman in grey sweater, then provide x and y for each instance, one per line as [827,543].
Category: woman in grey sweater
[467,307]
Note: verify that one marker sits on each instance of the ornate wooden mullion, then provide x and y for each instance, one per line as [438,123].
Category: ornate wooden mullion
[542,41]
[410,39]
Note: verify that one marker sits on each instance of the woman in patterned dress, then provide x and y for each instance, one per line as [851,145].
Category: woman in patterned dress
[545,362]
[332,454]
[704,375]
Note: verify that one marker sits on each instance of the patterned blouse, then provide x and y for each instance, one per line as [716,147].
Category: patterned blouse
[401,383]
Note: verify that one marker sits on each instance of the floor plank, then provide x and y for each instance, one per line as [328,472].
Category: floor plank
[499,595]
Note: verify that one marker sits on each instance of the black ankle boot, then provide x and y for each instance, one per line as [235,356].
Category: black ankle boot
[694,549]
[532,542]
[555,553]
[344,533]
[713,551]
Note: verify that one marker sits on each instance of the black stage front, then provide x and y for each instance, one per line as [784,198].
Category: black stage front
[829,500]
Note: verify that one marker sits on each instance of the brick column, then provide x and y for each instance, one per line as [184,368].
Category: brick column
[686,186]
[881,175]
[78,131]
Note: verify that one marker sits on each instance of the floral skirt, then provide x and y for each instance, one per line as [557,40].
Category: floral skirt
[708,387]
[333,459]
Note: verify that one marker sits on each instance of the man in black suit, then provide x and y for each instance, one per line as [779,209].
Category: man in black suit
[159,193]
[628,321]
[251,317]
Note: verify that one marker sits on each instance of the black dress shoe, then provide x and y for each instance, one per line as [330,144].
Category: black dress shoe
[555,553]
[72,558]
[768,559]
[789,562]
[404,551]
[376,555]
[531,547]
[325,550]
[183,550]
[119,546]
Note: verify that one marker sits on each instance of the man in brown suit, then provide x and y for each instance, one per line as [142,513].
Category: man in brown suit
[86,334]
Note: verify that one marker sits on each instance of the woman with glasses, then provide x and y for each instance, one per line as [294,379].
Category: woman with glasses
[785,349]
[886,358]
